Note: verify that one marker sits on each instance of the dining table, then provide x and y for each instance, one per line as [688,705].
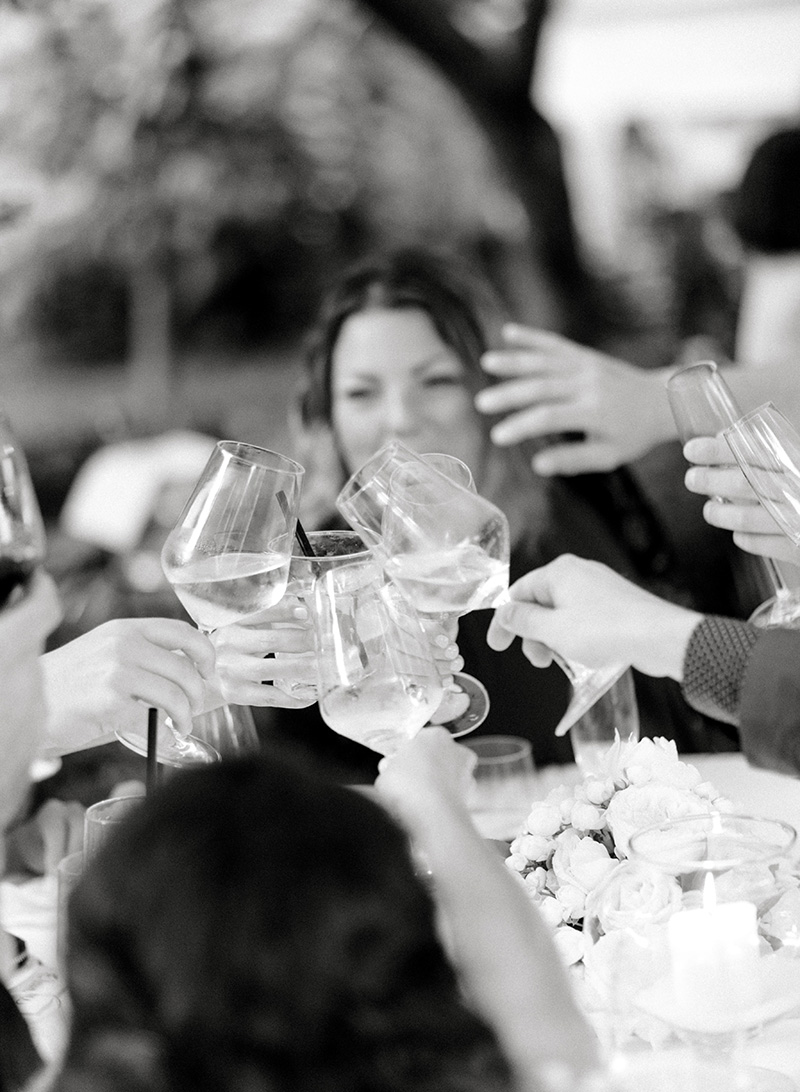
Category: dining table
[28,909]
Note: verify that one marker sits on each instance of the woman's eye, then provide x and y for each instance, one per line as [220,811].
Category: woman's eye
[444,381]
[358,393]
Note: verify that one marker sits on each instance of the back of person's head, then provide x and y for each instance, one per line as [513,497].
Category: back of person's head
[766,207]
[251,929]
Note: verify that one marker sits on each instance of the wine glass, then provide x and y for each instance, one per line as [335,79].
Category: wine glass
[613,717]
[22,535]
[228,555]
[767,448]
[702,404]
[377,680]
[362,501]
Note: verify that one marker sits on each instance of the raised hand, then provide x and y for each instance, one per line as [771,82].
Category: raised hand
[553,386]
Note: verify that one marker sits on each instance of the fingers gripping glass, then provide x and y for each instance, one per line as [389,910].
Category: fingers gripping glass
[702,404]
[228,555]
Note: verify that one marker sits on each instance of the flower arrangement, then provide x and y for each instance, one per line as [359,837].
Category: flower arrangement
[575,838]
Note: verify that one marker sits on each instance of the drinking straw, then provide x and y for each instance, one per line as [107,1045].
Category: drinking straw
[152,745]
[299,531]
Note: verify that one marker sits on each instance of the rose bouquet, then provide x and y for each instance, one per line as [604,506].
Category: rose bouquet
[574,838]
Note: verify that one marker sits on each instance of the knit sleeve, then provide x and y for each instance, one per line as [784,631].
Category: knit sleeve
[714,666]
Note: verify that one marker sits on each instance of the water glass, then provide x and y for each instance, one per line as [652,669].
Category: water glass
[503,785]
[613,716]
[103,818]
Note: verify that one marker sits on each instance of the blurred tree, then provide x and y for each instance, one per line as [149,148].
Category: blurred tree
[487,50]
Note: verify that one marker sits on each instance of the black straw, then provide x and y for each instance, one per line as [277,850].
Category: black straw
[152,748]
[299,533]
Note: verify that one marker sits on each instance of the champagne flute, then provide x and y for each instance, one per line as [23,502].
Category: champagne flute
[22,535]
[376,677]
[362,501]
[228,555]
[767,448]
[703,404]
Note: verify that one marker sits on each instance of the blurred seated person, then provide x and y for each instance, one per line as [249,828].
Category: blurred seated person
[254,927]
[396,354]
[728,668]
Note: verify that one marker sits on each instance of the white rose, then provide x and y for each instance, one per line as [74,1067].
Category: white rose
[634,897]
[517,862]
[537,879]
[580,862]
[599,791]
[535,847]
[551,910]
[572,900]
[587,817]
[570,945]
[647,805]
[544,819]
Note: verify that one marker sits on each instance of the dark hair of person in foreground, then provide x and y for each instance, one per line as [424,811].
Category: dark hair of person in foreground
[251,929]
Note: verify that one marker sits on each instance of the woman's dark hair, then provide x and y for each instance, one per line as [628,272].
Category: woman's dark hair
[766,206]
[252,928]
[407,278]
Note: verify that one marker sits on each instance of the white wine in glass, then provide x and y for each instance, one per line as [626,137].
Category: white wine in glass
[378,683]
[228,555]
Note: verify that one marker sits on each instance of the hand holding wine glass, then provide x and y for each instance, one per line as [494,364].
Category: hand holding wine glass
[228,555]
[702,404]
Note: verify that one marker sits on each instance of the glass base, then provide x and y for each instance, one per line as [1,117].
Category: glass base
[460,720]
[171,750]
[780,610]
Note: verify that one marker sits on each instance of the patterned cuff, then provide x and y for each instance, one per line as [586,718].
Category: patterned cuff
[714,666]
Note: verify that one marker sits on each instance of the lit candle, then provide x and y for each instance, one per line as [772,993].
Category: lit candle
[714,957]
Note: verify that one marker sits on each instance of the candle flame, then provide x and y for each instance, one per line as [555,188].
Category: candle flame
[709,894]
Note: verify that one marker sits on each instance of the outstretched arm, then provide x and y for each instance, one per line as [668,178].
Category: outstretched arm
[586,612]
[500,945]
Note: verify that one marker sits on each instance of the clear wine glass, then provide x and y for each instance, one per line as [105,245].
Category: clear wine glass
[377,679]
[703,404]
[22,534]
[767,449]
[362,501]
[228,555]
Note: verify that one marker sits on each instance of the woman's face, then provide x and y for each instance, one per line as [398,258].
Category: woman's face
[393,378]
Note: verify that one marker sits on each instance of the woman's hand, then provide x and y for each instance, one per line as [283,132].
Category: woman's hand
[733,505]
[587,613]
[273,647]
[103,681]
[552,385]
[428,770]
